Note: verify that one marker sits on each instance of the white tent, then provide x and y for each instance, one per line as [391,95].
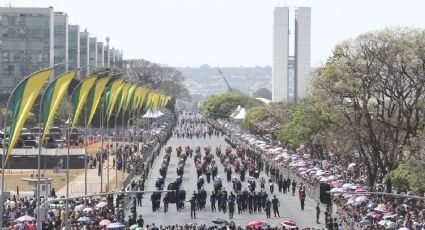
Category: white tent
[153,114]
[239,114]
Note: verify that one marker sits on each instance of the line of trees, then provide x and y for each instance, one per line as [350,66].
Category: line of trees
[367,102]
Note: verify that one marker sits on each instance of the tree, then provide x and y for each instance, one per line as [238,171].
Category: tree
[158,77]
[263,93]
[410,175]
[224,104]
[308,125]
[267,119]
[254,115]
[377,82]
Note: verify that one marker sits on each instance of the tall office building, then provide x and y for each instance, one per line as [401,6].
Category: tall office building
[93,52]
[302,51]
[295,87]
[74,46]
[112,57]
[100,55]
[84,54]
[26,41]
[280,54]
[61,43]
[106,56]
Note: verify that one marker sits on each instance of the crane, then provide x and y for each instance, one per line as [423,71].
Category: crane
[227,83]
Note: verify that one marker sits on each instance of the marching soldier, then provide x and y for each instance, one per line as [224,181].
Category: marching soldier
[276,205]
[193,208]
[267,208]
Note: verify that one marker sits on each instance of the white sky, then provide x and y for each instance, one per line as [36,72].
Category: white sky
[224,32]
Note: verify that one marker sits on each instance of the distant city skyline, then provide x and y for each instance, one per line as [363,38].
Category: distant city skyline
[224,32]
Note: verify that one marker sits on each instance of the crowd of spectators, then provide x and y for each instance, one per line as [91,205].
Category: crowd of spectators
[91,213]
[352,212]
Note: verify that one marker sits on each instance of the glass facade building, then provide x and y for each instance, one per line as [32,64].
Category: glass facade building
[32,39]
[100,55]
[74,46]
[93,52]
[60,42]
[84,54]
[26,44]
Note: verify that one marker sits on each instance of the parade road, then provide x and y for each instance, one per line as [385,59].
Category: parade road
[289,205]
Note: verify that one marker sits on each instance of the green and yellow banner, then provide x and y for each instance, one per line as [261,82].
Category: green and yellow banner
[111,96]
[79,97]
[122,96]
[53,97]
[24,97]
[135,99]
[129,96]
[143,99]
[94,97]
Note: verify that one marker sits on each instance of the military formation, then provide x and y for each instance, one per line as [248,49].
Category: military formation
[249,194]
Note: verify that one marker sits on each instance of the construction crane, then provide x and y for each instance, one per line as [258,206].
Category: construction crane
[227,83]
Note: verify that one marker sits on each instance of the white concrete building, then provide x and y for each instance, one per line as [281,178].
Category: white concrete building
[291,74]
[302,51]
[280,54]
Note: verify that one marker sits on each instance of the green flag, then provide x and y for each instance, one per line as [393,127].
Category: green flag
[53,97]
[94,97]
[79,97]
[24,97]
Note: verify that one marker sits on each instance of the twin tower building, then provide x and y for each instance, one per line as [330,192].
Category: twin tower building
[291,54]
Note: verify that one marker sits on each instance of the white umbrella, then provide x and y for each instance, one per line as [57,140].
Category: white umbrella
[88,209]
[79,208]
[115,225]
[101,204]
[25,218]
[350,166]
[84,219]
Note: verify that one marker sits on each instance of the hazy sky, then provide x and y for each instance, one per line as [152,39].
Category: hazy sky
[224,32]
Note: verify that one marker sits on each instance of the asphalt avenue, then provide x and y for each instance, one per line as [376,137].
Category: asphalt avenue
[289,205]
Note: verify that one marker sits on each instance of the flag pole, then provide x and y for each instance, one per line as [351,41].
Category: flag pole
[85,152]
[101,139]
[68,134]
[4,158]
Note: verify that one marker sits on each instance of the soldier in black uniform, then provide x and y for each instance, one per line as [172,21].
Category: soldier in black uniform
[166,202]
[239,202]
[294,186]
[140,221]
[213,197]
[193,208]
[280,184]
[317,213]
[276,205]
[259,203]
[139,199]
[267,208]
[231,207]
[250,202]
[255,201]
[134,210]
[224,201]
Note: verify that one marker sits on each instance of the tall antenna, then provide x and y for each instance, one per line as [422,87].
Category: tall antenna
[227,83]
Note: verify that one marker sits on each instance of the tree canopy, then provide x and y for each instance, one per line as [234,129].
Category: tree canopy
[224,104]
[377,83]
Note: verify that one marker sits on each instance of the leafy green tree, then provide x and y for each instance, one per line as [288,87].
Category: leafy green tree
[263,93]
[309,126]
[224,104]
[376,81]
[254,115]
[411,175]
[267,119]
